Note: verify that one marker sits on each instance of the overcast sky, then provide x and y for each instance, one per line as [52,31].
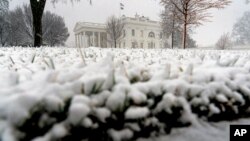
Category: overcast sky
[205,35]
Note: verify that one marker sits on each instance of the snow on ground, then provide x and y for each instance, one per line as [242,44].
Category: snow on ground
[51,94]
[204,131]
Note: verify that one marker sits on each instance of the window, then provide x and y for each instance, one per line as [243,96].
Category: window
[133,32]
[134,44]
[151,35]
[124,33]
[161,35]
[141,33]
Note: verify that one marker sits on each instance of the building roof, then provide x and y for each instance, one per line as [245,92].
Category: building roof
[140,20]
[88,25]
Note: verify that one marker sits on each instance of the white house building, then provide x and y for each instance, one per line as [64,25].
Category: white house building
[139,32]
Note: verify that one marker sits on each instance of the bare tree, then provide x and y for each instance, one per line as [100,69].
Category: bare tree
[37,8]
[55,31]
[4,5]
[15,34]
[4,25]
[114,27]
[194,12]
[224,42]
[169,22]
[191,43]
[4,30]
[241,30]
[171,26]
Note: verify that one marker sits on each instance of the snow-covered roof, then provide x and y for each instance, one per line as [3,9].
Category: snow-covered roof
[88,25]
[128,20]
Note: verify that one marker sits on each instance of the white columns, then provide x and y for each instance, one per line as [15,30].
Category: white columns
[93,40]
[99,39]
[81,39]
[76,40]
[90,38]
[84,39]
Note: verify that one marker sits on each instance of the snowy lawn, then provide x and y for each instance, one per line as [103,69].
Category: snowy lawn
[49,94]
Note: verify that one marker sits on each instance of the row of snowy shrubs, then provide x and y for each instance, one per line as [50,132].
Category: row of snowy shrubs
[120,101]
[120,108]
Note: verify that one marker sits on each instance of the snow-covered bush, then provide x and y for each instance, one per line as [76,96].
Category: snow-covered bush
[119,94]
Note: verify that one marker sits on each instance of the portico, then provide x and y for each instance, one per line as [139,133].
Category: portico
[90,34]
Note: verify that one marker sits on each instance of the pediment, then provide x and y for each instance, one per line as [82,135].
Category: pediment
[77,27]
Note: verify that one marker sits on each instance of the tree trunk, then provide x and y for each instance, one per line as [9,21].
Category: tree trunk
[172,40]
[38,31]
[37,8]
[173,30]
[115,43]
[184,37]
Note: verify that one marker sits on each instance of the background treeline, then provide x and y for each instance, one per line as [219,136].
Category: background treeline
[16,27]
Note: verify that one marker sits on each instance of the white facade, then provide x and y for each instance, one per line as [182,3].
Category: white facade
[139,32]
[90,34]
